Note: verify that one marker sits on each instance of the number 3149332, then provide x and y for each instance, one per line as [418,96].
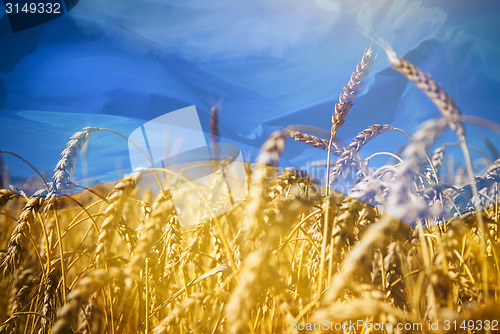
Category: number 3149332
[33,8]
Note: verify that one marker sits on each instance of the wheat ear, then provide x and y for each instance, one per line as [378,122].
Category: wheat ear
[258,272]
[5,196]
[173,241]
[49,305]
[268,157]
[116,200]
[214,132]
[451,113]
[19,238]
[62,172]
[315,141]
[350,91]
[350,153]
[25,282]
[374,236]
[162,209]
[76,298]
[431,88]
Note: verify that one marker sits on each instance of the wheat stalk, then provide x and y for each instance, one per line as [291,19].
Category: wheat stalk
[451,112]
[351,90]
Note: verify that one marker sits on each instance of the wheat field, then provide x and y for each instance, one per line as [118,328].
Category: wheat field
[292,257]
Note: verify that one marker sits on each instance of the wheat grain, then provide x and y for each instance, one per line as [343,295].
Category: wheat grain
[349,155]
[49,304]
[257,272]
[67,315]
[90,320]
[19,238]
[214,132]
[62,171]
[162,209]
[315,141]
[431,88]
[116,200]
[5,196]
[173,242]
[269,155]
[350,91]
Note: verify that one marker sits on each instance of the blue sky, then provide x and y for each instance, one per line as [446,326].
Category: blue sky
[119,64]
